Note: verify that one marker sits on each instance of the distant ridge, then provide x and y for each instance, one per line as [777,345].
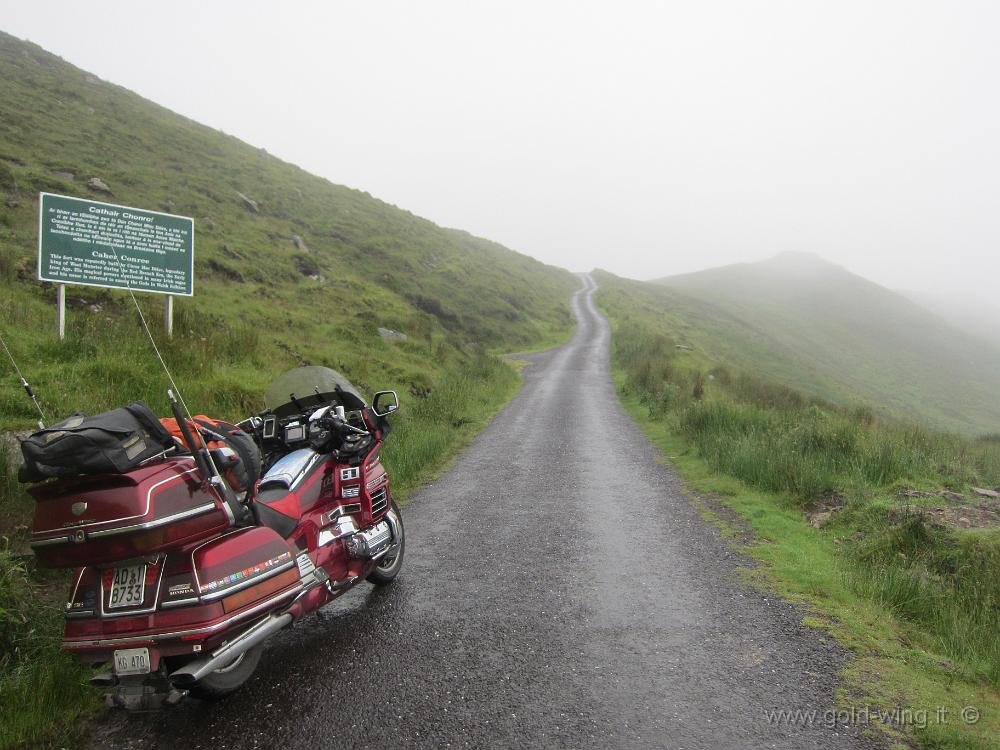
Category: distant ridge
[801,320]
[975,316]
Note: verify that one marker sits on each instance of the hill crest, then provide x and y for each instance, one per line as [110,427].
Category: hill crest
[803,321]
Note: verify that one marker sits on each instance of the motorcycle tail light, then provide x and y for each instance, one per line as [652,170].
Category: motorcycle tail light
[125,624]
[196,614]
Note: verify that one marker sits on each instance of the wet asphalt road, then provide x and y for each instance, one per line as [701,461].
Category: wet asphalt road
[559,590]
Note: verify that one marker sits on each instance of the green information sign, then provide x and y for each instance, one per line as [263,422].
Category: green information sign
[100,244]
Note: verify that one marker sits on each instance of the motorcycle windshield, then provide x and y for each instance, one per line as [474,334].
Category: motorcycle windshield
[312,387]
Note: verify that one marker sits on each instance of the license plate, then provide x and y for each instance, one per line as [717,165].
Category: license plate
[128,587]
[132,661]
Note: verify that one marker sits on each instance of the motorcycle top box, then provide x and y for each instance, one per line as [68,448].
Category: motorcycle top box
[101,519]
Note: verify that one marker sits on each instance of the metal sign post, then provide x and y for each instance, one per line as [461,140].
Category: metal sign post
[170,316]
[61,310]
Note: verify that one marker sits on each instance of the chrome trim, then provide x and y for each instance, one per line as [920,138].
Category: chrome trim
[178,602]
[158,560]
[76,585]
[217,483]
[306,565]
[180,633]
[218,594]
[338,587]
[53,540]
[319,578]
[149,499]
[394,525]
[155,523]
[344,527]
[380,499]
[161,454]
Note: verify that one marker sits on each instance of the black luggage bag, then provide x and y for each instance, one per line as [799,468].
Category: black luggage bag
[114,442]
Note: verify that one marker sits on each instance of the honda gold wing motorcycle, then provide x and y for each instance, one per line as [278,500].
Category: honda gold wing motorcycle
[188,560]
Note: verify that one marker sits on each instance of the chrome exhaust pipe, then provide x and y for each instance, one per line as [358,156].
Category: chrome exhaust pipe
[193,671]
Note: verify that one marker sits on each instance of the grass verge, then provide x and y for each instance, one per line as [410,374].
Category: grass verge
[891,664]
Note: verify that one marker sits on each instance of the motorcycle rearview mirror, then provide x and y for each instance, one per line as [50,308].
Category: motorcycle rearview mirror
[385,403]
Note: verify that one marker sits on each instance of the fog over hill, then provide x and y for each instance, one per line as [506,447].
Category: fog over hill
[973,315]
[808,322]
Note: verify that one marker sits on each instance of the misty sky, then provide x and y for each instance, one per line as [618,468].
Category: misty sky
[645,138]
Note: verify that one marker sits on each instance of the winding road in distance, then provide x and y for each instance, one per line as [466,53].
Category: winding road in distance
[559,590]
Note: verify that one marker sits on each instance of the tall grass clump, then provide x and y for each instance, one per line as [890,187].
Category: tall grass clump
[42,690]
[944,581]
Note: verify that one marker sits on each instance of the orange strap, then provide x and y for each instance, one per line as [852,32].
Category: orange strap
[174,429]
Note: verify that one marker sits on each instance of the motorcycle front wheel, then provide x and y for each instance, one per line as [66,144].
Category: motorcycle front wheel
[390,565]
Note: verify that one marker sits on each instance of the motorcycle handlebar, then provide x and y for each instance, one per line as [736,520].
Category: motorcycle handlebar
[345,427]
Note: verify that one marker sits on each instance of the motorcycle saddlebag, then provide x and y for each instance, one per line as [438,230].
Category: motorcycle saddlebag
[114,442]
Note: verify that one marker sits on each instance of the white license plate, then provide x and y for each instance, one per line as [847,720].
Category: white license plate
[127,587]
[132,661]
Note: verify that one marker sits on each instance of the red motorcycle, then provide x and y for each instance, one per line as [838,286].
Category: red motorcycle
[183,574]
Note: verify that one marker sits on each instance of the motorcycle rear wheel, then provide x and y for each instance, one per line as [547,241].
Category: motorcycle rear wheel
[229,679]
[389,567]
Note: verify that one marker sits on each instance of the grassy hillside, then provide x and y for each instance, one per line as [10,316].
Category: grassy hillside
[889,533]
[799,320]
[310,275]
[306,273]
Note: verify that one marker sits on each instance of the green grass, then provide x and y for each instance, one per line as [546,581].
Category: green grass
[915,602]
[425,440]
[43,692]
[261,306]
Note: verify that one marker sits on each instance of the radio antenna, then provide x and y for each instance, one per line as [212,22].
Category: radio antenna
[149,333]
[163,364]
[24,384]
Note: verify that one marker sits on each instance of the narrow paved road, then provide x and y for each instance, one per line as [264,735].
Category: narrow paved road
[559,591]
